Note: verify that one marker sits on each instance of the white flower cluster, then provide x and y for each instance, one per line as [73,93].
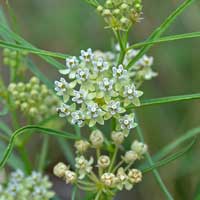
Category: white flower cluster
[97,89]
[33,187]
[119,176]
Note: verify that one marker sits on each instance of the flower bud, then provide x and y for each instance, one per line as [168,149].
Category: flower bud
[117,137]
[103,161]
[33,111]
[96,138]
[116,12]
[124,6]
[34,80]
[24,106]
[81,146]
[130,156]
[139,148]
[70,177]
[124,21]
[106,13]
[135,176]
[108,3]
[11,87]
[60,169]
[100,9]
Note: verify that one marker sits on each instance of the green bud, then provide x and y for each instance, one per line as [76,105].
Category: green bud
[108,3]
[6,61]
[124,6]
[33,111]
[13,54]
[6,52]
[24,106]
[100,9]
[106,13]
[34,80]
[116,12]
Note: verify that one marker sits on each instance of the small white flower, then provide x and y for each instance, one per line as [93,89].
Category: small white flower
[61,86]
[84,166]
[78,118]
[122,180]
[130,92]
[100,65]
[79,96]
[82,74]
[146,61]
[127,122]
[119,72]
[17,176]
[64,110]
[106,85]
[114,107]
[87,56]
[149,73]
[93,110]
[132,53]
[71,64]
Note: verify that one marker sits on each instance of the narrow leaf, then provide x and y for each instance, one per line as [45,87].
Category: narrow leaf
[160,30]
[43,130]
[165,100]
[169,159]
[166,39]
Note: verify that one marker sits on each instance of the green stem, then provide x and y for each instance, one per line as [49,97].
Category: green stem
[113,158]
[25,158]
[43,154]
[122,47]
[155,172]
[118,166]
[98,196]
[98,153]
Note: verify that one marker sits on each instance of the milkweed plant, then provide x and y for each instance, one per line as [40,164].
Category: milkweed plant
[96,89]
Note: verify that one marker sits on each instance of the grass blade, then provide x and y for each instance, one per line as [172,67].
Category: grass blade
[167,39]
[43,130]
[165,100]
[169,148]
[170,158]
[159,31]
[36,51]
[14,161]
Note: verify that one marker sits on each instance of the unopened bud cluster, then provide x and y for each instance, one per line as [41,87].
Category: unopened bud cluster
[121,14]
[97,88]
[34,99]
[110,178]
[13,58]
[21,187]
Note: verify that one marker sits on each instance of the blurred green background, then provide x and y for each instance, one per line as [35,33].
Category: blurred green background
[70,25]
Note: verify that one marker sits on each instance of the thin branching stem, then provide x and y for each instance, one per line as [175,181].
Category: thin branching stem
[155,172]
